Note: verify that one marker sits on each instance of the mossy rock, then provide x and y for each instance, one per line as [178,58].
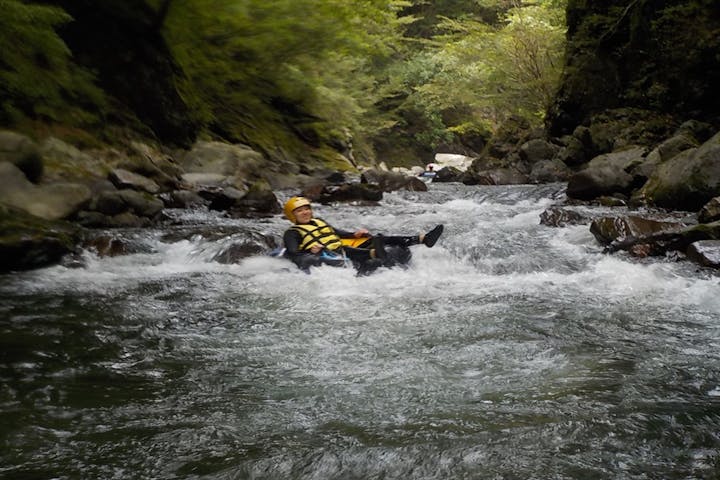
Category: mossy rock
[29,242]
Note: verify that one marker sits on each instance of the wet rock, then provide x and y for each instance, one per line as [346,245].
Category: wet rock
[560,217]
[611,229]
[251,244]
[237,252]
[141,203]
[106,246]
[710,211]
[91,219]
[336,178]
[120,201]
[108,203]
[673,240]
[705,252]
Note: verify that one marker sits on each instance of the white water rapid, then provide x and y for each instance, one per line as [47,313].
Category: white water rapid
[510,350]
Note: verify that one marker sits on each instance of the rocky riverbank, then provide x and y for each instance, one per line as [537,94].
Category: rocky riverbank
[55,197]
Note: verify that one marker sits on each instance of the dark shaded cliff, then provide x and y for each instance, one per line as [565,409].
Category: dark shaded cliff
[120,40]
[659,55]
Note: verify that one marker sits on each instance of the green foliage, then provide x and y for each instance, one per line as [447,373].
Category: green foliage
[288,74]
[37,76]
[501,71]
[475,64]
[286,63]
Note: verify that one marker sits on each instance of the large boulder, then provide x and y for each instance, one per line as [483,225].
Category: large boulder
[666,150]
[237,162]
[606,175]
[51,202]
[687,181]
[66,163]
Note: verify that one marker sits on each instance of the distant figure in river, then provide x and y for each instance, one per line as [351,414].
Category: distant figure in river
[312,241]
[429,172]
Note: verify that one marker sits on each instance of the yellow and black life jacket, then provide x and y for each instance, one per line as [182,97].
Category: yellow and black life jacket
[317,231]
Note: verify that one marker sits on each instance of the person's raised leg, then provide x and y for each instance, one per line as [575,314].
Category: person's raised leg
[430,238]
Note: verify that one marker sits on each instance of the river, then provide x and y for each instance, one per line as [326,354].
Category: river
[510,350]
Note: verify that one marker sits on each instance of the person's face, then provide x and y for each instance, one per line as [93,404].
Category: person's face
[303,214]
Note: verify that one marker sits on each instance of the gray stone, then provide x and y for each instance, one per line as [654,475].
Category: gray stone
[22,152]
[705,252]
[122,178]
[51,202]
[710,211]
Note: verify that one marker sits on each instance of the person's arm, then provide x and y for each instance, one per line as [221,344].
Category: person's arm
[291,239]
[360,232]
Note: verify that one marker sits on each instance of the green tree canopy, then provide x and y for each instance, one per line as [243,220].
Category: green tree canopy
[37,75]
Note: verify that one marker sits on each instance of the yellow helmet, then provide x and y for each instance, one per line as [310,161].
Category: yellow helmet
[292,204]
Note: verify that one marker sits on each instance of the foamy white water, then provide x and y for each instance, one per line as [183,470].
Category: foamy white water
[509,350]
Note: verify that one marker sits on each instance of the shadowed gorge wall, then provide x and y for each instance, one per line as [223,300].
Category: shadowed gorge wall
[658,55]
[121,41]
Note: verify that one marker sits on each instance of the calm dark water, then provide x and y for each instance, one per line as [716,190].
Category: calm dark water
[508,351]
